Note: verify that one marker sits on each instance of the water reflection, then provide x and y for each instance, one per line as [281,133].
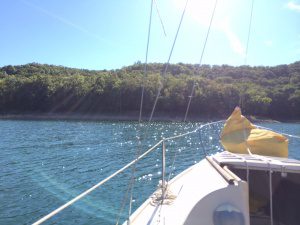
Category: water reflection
[43,164]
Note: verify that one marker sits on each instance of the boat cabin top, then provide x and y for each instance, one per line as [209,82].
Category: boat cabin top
[257,162]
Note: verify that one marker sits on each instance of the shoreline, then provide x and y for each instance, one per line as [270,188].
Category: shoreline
[98,117]
[160,117]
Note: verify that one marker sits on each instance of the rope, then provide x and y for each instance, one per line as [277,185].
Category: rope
[146,62]
[165,197]
[271,194]
[242,97]
[202,145]
[241,101]
[172,169]
[200,63]
[132,182]
[123,203]
[161,22]
[249,31]
[289,135]
[168,62]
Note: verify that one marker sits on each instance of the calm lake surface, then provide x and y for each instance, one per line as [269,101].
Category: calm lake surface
[43,164]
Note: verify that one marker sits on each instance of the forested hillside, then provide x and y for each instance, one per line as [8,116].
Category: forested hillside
[272,92]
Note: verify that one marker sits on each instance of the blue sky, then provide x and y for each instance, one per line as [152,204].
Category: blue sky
[110,34]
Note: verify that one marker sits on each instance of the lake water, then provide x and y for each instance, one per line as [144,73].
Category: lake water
[43,164]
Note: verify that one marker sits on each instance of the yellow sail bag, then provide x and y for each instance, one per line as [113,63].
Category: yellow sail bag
[239,136]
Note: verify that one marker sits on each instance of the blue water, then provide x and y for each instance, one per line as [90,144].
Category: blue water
[43,164]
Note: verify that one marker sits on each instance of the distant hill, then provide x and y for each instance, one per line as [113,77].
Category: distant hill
[272,92]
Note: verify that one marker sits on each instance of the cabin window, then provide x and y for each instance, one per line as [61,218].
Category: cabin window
[228,214]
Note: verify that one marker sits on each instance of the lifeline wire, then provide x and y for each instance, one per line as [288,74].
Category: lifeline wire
[168,62]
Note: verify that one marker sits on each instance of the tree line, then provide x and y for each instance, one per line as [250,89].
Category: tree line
[272,92]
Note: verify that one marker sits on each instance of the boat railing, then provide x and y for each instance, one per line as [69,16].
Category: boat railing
[162,142]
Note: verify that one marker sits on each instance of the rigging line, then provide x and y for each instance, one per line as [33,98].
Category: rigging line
[132,181]
[249,31]
[202,145]
[201,141]
[130,185]
[160,19]
[242,97]
[286,134]
[241,105]
[123,202]
[271,194]
[146,62]
[168,62]
[201,57]
[172,168]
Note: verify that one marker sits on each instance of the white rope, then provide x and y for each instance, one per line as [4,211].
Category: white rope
[289,135]
[164,197]
[271,194]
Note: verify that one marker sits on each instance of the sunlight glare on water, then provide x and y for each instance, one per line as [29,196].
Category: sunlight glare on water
[44,164]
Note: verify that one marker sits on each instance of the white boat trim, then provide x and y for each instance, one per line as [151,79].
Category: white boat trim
[257,162]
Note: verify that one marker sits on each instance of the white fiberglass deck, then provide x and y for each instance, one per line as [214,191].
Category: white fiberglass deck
[191,186]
